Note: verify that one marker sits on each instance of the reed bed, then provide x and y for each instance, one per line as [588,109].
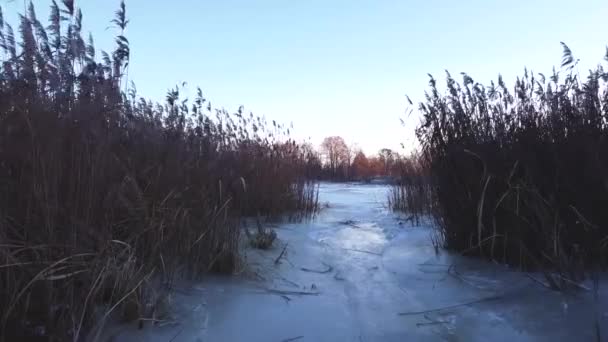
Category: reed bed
[107,197]
[412,191]
[519,174]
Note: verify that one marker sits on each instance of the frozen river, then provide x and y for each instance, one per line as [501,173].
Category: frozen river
[359,272]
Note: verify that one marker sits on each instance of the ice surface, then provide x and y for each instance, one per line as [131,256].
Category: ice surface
[348,274]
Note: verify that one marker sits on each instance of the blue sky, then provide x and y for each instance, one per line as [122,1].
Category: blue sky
[339,67]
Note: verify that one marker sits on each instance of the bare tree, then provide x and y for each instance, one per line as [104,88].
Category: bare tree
[361,167]
[336,153]
[387,156]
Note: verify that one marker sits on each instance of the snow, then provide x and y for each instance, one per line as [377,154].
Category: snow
[347,276]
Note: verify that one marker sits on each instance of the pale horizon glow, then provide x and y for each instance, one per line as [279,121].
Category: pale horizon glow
[338,67]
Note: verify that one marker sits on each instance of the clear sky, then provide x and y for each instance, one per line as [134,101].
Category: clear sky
[339,67]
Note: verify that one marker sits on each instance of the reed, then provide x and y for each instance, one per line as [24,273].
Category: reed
[107,197]
[412,192]
[519,174]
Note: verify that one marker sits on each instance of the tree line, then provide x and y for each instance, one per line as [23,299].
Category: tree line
[340,162]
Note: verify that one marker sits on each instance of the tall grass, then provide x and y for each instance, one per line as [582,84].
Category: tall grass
[103,192]
[412,191]
[520,175]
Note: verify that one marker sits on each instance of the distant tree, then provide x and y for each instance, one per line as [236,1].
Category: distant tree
[314,165]
[348,161]
[376,166]
[387,157]
[336,152]
[360,166]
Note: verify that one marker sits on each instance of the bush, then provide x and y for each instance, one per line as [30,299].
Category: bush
[521,177]
[103,193]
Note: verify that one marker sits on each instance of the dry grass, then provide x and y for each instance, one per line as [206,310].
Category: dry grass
[105,197]
[412,192]
[520,176]
[263,237]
